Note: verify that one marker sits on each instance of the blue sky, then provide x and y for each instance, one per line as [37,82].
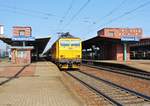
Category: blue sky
[46,16]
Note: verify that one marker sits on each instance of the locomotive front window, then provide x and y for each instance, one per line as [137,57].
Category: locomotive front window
[75,43]
[64,43]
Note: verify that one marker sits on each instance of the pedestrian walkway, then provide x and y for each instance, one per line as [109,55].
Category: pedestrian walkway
[44,88]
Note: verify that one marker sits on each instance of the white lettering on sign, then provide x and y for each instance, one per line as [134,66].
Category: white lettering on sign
[23,38]
[130,38]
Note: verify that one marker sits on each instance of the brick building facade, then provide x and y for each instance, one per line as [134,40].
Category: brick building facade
[119,32]
[19,31]
[110,44]
[117,51]
[21,54]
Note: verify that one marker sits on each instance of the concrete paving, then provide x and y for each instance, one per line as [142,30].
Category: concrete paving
[44,88]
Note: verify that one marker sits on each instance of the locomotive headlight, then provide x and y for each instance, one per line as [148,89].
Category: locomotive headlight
[62,56]
[78,56]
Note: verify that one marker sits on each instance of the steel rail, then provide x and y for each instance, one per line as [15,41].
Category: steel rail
[121,71]
[109,98]
[147,98]
[96,90]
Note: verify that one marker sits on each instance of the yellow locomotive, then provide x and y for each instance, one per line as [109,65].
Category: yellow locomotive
[66,52]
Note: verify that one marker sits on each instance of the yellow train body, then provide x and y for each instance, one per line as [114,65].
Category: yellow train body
[67,52]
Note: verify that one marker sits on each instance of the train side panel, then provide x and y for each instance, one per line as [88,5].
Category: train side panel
[54,52]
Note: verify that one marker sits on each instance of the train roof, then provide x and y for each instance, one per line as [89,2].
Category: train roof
[66,35]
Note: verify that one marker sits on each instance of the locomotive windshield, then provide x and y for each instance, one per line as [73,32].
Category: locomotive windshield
[70,43]
[75,43]
[64,43]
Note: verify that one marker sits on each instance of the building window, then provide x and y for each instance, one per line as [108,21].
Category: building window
[139,31]
[111,34]
[22,33]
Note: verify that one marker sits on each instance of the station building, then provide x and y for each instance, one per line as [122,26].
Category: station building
[24,47]
[109,44]
[20,52]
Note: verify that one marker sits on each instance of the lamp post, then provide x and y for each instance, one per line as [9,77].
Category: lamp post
[126,39]
[125,51]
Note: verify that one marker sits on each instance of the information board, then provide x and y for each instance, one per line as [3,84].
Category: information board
[130,38]
[23,38]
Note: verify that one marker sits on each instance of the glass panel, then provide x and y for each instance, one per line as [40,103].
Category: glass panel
[22,32]
[111,34]
[64,43]
[75,43]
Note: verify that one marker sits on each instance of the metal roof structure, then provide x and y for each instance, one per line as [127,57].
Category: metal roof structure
[143,42]
[50,43]
[99,40]
[39,43]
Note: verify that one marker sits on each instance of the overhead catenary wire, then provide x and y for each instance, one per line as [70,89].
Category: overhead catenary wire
[114,9]
[24,14]
[125,14]
[54,38]
[68,10]
[44,14]
[107,14]
[77,13]
[66,14]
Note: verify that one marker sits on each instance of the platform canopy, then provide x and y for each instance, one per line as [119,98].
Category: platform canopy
[39,43]
[50,43]
[143,42]
[98,40]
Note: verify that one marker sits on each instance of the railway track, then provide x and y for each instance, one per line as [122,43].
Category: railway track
[133,73]
[115,94]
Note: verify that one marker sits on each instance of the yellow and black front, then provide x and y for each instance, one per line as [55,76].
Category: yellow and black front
[66,52]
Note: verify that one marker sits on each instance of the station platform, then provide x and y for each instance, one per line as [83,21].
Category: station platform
[39,84]
[137,64]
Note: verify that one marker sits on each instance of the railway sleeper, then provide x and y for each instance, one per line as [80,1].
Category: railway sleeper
[128,99]
[124,96]
[135,101]
[139,100]
[107,104]
[111,89]
[112,94]
[103,101]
